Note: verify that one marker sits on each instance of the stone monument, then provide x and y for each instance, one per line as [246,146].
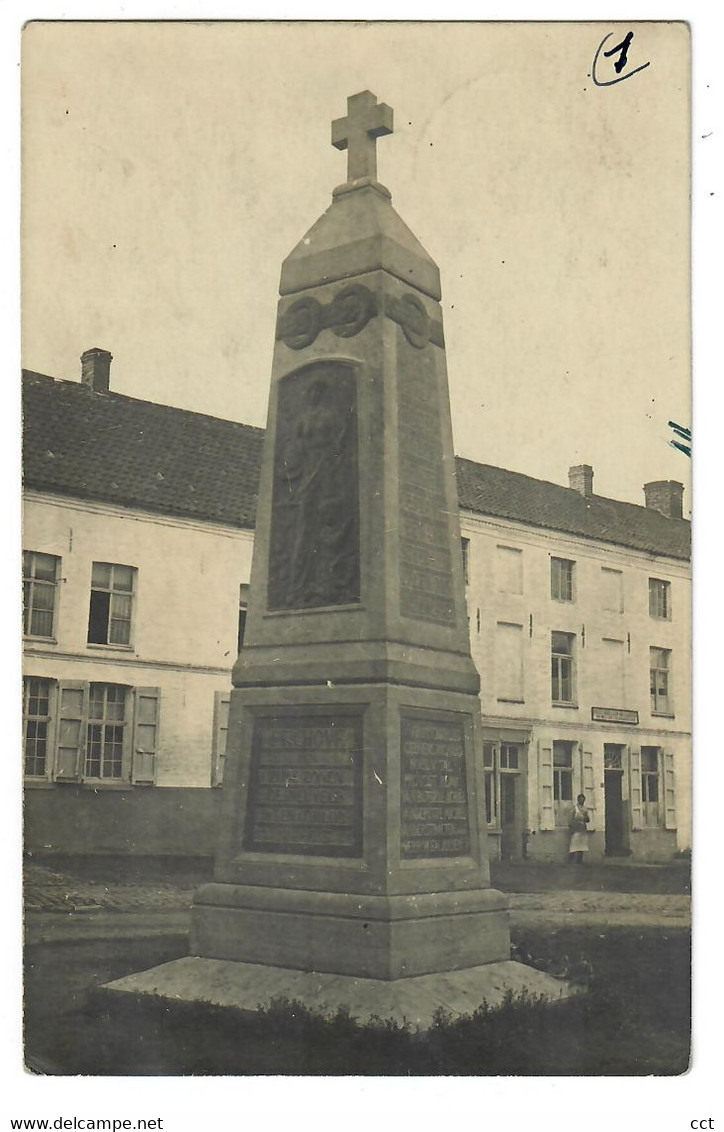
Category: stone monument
[352,832]
[353,819]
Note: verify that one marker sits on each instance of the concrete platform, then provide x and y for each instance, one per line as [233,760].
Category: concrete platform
[250,986]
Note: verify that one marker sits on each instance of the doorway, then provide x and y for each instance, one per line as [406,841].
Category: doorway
[505,796]
[616,828]
[510,825]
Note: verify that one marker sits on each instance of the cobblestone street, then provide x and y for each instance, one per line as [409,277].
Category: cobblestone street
[60,904]
[48,890]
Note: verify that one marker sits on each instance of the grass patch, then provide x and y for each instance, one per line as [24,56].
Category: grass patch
[634,1020]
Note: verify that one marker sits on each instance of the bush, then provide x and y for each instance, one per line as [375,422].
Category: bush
[634,1019]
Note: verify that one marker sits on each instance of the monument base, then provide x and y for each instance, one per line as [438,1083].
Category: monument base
[249,987]
[375,937]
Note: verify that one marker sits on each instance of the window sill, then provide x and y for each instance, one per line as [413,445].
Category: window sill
[101,784]
[564,600]
[97,785]
[32,640]
[564,704]
[110,648]
[663,714]
[506,700]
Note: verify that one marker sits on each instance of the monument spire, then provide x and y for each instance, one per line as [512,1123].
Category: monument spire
[366,121]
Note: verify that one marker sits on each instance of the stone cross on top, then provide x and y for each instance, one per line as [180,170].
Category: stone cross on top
[357,133]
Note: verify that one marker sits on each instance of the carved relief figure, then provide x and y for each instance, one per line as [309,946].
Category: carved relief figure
[313,555]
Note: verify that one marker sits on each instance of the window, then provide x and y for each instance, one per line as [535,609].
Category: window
[509,569]
[650,785]
[613,756]
[653,788]
[509,662]
[40,582]
[509,756]
[659,599]
[565,769]
[36,720]
[650,774]
[465,551]
[104,752]
[76,731]
[562,684]
[611,590]
[243,610]
[111,604]
[562,781]
[499,758]
[659,670]
[562,579]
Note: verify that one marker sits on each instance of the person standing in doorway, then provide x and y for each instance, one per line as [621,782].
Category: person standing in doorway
[578,827]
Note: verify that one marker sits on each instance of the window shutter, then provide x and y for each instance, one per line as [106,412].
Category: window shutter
[145,735]
[70,733]
[545,787]
[221,725]
[669,790]
[637,820]
[588,786]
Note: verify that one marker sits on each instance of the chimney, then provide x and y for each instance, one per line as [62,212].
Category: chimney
[666,496]
[96,369]
[580,479]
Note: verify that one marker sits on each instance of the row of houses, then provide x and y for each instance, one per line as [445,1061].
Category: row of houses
[138,535]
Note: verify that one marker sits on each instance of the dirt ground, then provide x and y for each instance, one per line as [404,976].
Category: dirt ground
[91,921]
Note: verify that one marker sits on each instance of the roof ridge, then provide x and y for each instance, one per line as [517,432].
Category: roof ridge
[514,472]
[564,487]
[114,395]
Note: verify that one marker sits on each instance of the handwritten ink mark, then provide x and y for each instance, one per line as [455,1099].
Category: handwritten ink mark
[684,434]
[620,63]
[623,47]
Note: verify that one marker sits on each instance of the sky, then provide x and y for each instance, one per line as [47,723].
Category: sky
[168,169]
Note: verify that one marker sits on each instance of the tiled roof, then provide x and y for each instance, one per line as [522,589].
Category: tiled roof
[117,449]
[110,447]
[498,493]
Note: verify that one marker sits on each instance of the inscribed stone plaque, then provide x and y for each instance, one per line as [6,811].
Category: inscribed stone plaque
[426,584]
[305,793]
[314,546]
[434,818]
